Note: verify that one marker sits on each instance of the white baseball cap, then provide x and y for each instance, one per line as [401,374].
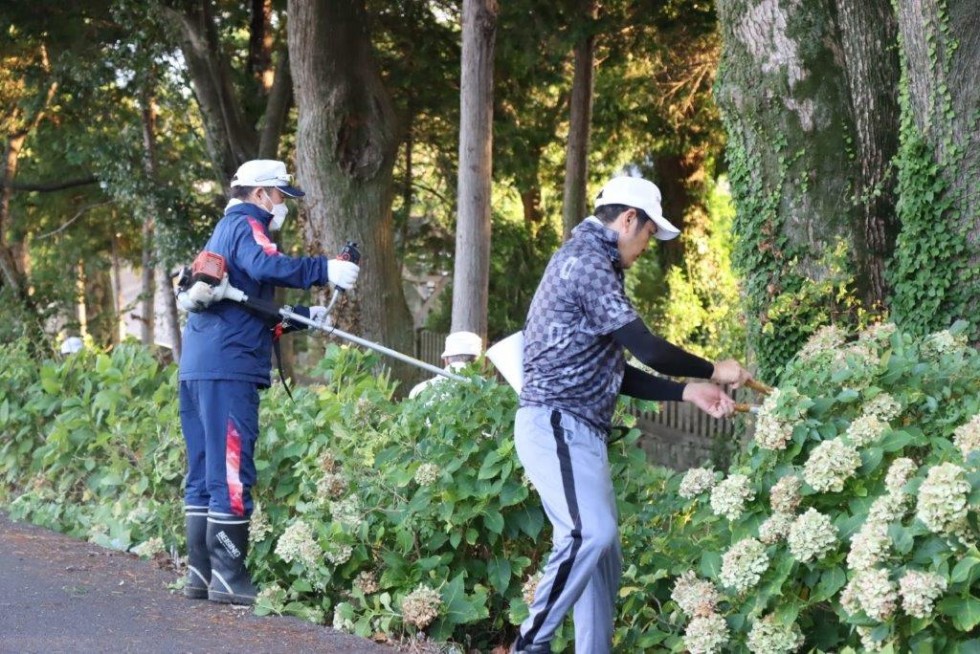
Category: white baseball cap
[463,343]
[266,172]
[638,193]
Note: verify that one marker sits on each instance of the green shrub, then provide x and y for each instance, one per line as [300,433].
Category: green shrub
[397,518]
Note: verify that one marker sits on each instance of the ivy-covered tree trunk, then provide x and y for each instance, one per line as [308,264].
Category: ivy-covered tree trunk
[346,145]
[868,30]
[471,279]
[783,92]
[936,271]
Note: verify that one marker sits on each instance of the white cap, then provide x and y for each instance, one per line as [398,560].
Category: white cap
[638,193]
[71,345]
[463,343]
[266,172]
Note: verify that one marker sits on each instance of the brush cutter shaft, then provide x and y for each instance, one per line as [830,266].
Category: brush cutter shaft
[297,318]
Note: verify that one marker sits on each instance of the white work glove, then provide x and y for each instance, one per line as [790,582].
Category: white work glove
[198,297]
[342,274]
[320,316]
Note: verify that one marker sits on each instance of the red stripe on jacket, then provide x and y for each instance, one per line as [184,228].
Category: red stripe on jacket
[258,233]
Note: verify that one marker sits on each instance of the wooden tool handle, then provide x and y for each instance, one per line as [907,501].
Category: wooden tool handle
[759,386]
[742,407]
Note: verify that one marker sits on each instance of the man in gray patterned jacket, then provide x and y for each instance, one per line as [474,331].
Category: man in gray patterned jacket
[579,325]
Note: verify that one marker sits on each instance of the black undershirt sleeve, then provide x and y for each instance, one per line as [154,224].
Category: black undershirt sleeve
[644,386]
[659,354]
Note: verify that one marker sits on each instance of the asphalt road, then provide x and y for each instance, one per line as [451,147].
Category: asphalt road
[58,594]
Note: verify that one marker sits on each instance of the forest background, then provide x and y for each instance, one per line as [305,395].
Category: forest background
[821,157]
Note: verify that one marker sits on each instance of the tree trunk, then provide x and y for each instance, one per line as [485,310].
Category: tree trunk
[940,48]
[346,148]
[868,31]
[471,279]
[574,207]
[148,260]
[783,94]
[13,275]
[230,140]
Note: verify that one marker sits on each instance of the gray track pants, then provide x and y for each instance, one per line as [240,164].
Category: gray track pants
[568,464]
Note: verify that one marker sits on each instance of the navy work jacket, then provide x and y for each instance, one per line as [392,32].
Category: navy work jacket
[226,340]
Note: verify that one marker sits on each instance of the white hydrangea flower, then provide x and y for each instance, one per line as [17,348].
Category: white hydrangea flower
[942,503]
[427,474]
[869,546]
[328,462]
[878,332]
[728,498]
[858,357]
[771,431]
[884,407]
[831,463]
[695,482]
[421,606]
[943,342]
[887,508]
[811,536]
[366,582]
[967,436]
[696,597]
[340,623]
[150,547]
[785,495]
[876,593]
[919,591]
[867,642]
[865,430]
[775,528]
[825,339]
[530,587]
[779,413]
[769,637]
[743,564]
[706,634]
[297,544]
[339,553]
[849,597]
[270,595]
[899,473]
[259,527]
[331,486]
[347,512]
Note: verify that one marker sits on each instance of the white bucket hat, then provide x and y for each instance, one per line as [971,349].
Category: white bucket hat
[638,193]
[463,343]
[266,172]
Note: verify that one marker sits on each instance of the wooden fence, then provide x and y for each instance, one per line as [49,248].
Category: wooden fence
[678,436]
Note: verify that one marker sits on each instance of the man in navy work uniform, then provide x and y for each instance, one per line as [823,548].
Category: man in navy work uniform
[578,327]
[226,360]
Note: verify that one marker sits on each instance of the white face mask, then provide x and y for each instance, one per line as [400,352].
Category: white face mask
[278,212]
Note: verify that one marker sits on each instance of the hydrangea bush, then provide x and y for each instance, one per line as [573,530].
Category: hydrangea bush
[850,521]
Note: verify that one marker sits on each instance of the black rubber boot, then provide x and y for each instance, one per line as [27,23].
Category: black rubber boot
[198,559]
[228,545]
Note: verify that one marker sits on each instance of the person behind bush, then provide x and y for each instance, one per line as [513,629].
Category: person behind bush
[578,326]
[462,348]
[226,361]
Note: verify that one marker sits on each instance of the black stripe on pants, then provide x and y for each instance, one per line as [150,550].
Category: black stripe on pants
[565,569]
